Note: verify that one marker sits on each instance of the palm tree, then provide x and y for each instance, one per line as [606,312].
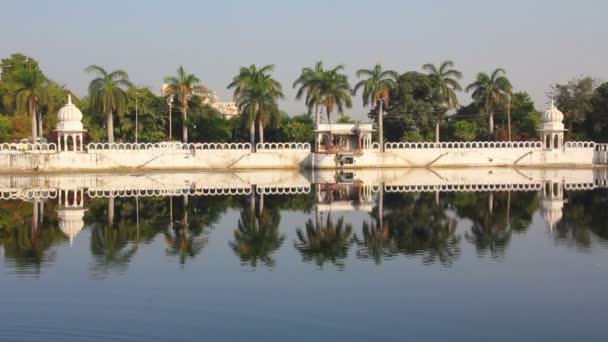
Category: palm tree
[256,94]
[376,90]
[335,91]
[183,86]
[489,90]
[309,82]
[30,82]
[446,79]
[108,95]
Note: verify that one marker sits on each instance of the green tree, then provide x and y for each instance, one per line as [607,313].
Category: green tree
[217,129]
[446,80]
[309,83]
[464,130]
[6,126]
[108,95]
[574,99]
[335,91]
[377,87]
[490,90]
[412,108]
[256,94]
[29,88]
[597,120]
[183,86]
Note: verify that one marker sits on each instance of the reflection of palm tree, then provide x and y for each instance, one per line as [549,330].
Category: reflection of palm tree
[494,217]
[418,226]
[256,239]
[375,243]
[325,244]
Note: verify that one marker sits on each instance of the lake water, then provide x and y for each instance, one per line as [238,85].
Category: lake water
[426,255]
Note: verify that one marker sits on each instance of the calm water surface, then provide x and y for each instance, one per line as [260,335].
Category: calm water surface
[341,259]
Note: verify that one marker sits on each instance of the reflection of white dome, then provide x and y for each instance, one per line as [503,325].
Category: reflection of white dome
[552,210]
[552,118]
[71,222]
[69,117]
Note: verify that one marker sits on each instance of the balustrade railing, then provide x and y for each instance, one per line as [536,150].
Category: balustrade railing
[282,146]
[579,144]
[462,145]
[93,147]
[28,147]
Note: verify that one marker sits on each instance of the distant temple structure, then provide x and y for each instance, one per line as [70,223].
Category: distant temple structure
[69,128]
[552,128]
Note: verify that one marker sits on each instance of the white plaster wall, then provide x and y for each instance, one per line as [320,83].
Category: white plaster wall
[241,159]
[441,157]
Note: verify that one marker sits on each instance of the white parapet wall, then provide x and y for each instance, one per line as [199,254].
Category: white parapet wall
[239,156]
[464,154]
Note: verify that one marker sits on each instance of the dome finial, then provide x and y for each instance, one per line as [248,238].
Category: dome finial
[552,104]
[69,99]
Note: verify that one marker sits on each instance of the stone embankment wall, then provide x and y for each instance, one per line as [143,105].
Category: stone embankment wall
[212,156]
[464,154]
[209,156]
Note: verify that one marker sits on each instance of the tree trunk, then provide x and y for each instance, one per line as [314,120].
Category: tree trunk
[491,122]
[509,117]
[110,125]
[317,119]
[184,127]
[331,136]
[40,132]
[170,127]
[381,127]
[32,108]
[252,135]
[437,131]
[261,131]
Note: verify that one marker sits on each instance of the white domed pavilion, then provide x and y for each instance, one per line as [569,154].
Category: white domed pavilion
[69,127]
[552,128]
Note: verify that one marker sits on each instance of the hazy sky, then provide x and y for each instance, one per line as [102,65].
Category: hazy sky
[538,42]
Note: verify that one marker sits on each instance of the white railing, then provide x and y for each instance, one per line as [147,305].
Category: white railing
[462,187]
[193,191]
[282,146]
[28,147]
[376,146]
[579,144]
[92,147]
[279,190]
[461,145]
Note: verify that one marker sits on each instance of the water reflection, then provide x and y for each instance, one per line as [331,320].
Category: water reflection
[430,215]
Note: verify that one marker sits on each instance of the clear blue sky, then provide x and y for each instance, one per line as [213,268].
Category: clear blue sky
[538,42]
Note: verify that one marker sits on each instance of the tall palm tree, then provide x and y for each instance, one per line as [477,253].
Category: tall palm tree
[376,90]
[30,82]
[335,91]
[309,82]
[108,94]
[489,90]
[256,94]
[446,79]
[183,86]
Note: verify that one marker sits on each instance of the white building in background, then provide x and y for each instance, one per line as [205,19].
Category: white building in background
[228,109]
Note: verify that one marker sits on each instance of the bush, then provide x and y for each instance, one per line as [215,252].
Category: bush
[464,130]
[6,126]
